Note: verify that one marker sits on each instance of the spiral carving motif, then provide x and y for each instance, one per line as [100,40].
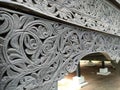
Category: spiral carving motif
[35,53]
[95,14]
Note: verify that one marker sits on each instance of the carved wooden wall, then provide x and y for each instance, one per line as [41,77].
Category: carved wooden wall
[35,52]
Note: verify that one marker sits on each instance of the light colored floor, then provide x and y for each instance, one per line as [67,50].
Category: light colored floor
[67,84]
[95,82]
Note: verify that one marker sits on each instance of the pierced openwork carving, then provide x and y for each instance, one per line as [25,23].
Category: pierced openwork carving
[35,53]
[95,14]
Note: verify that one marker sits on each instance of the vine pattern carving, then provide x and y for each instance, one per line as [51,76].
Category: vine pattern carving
[35,53]
[95,14]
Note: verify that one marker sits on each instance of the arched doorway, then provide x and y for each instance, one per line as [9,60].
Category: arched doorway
[81,70]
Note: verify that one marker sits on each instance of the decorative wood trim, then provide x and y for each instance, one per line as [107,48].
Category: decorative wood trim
[35,53]
[98,15]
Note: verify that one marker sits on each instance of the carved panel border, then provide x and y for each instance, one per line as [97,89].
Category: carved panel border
[95,14]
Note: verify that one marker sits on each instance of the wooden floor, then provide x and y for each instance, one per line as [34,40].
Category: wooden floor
[98,82]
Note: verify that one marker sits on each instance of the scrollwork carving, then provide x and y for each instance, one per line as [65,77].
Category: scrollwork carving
[35,53]
[95,14]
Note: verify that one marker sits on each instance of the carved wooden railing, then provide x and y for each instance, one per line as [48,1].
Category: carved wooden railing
[43,40]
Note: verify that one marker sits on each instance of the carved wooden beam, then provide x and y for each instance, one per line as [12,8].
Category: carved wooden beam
[98,15]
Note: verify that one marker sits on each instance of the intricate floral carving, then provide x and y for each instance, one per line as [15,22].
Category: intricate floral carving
[95,14]
[35,53]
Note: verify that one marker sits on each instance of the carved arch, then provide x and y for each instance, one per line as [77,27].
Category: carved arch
[35,52]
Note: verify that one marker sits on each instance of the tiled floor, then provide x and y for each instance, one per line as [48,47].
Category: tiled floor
[96,82]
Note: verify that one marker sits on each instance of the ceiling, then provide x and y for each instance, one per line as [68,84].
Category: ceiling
[115,2]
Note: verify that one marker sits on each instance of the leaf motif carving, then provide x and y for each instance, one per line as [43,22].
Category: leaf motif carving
[36,53]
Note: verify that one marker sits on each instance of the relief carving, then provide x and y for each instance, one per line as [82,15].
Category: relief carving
[35,53]
[95,14]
